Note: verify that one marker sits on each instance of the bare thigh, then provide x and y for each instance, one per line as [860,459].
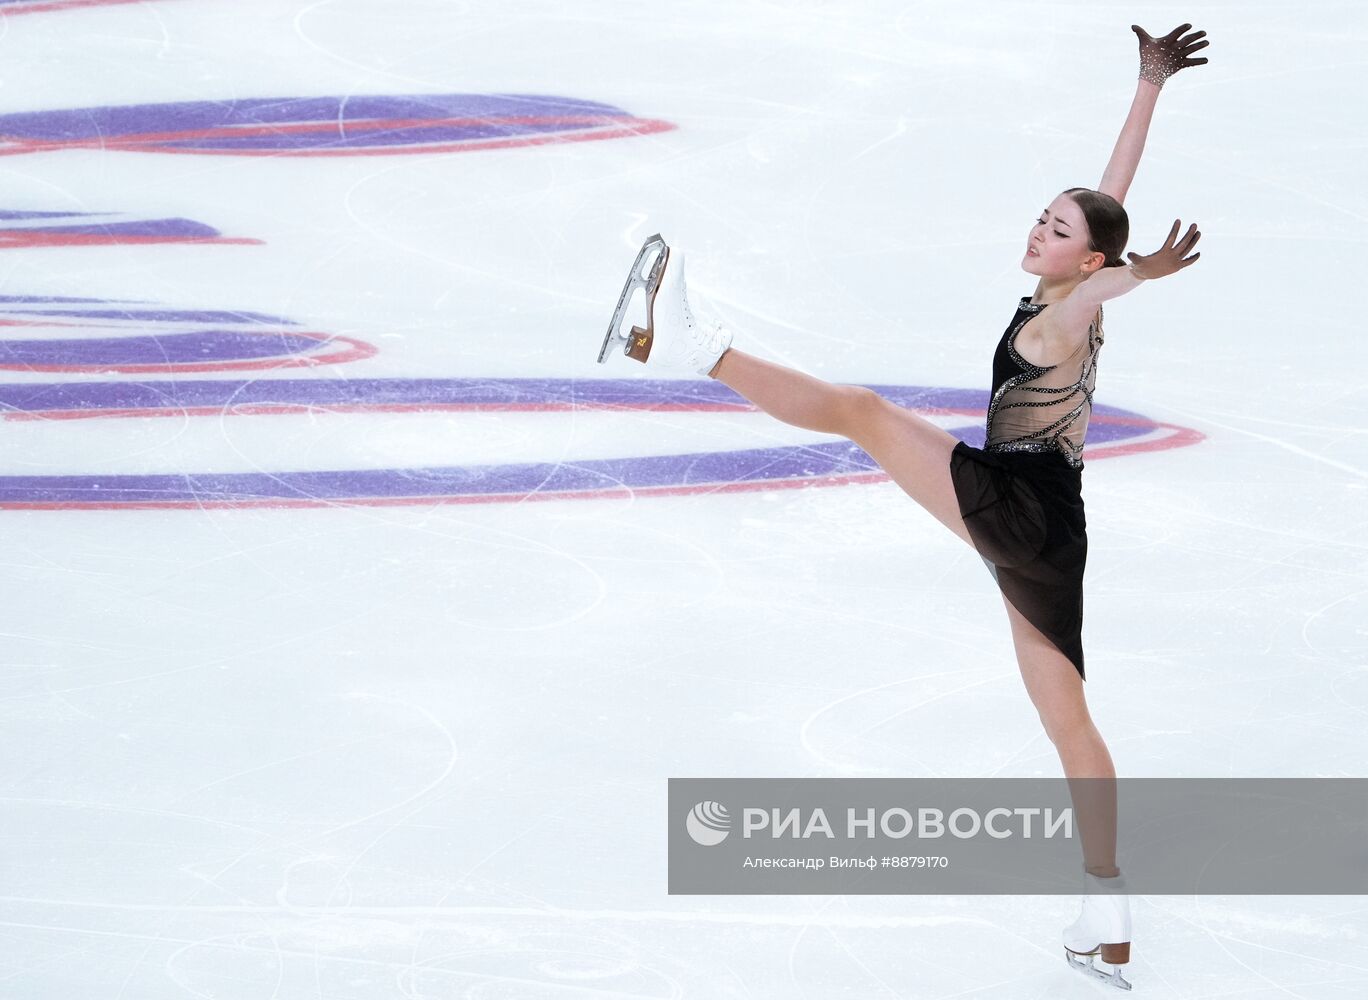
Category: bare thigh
[916,455]
[914,452]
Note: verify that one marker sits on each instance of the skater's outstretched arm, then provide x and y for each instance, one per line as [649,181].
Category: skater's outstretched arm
[1078,308]
[1160,58]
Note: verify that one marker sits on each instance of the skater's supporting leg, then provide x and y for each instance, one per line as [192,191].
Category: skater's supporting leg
[1056,690]
[914,452]
[1104,926]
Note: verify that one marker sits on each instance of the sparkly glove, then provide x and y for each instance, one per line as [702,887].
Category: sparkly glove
[1160,58]
[1167,259]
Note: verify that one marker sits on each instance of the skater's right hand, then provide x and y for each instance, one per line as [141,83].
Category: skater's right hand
[1169,258]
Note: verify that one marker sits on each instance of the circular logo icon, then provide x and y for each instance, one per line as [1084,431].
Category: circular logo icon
[708,823]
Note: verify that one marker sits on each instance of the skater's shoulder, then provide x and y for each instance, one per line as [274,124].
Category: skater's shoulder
[1070,324]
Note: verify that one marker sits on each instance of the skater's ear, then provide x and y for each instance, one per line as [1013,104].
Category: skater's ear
[1107,224]
[1094,262]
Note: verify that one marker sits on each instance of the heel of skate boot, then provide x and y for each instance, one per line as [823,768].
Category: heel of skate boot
[1116,954]
[649,282]
[641,341]
[1083,962]
[639,344]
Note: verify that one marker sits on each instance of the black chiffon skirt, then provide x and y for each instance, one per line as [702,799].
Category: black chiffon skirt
[1024,511]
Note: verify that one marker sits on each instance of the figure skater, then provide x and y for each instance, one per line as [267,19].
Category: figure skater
[1018,499]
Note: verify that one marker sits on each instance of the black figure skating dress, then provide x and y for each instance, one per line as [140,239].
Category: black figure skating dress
[1021,494]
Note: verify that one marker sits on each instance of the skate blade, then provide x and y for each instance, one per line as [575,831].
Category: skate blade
[637,343]
[1112,978]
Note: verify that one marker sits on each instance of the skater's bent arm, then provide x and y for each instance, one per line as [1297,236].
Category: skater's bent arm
[1110,282]
[1076,311]
[1116,179]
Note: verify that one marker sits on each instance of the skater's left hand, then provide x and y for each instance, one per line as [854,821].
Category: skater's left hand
[1169,258]
[1160,58]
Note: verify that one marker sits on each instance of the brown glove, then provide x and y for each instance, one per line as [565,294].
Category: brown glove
[1160,58]
[1167,259]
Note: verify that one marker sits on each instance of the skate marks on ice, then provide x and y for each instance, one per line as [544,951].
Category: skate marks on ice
[528,950]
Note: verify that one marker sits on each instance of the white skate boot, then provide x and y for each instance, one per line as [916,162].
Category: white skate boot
[675,335]
[1103,928]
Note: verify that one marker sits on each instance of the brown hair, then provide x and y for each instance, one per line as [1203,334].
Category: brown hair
[1108,223]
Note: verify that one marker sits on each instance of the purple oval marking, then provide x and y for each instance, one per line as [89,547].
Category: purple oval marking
[11,7]
[1113,431]
[217,339]
[520,481]
[65,229]
[325,126]
[154,349]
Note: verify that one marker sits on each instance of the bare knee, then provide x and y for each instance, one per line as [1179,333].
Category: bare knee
[1064,728]
[861,411]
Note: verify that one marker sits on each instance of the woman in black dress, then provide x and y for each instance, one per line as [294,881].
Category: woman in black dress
[1018,499]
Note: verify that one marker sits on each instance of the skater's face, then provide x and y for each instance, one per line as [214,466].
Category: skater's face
[1058,244]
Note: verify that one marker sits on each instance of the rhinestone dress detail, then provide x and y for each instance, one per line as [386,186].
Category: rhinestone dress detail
[1042,409]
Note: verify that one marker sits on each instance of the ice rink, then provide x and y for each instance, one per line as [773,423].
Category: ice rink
[355,617]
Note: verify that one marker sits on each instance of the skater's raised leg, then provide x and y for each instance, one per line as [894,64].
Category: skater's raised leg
[792,396]
[913,451]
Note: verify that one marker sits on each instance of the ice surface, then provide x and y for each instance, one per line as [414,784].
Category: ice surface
[359,749]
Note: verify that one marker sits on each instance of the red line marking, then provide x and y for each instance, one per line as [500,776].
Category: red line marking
[623,492]
[251,409]
[330,127]
[1180,438]
[10,238]
[60,5]
[35,322]
[148,143]
[106,323]
[356,350]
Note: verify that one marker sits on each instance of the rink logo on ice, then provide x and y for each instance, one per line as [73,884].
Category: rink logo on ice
[1112,432]
[80,229]
[708,823]
[9,7]
[54,334]
[325,126]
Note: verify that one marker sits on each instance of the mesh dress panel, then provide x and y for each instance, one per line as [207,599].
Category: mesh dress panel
[1043,409]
